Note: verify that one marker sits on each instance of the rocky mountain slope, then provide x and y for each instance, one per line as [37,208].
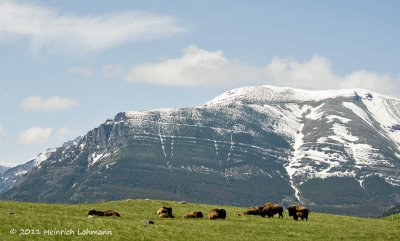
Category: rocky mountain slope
[335,151]
[3,168]
[11,175]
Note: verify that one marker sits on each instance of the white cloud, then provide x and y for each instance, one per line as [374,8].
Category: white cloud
[56,103]
[112,71]
[83,71]
[35,135]
[372,81]
[45,27]
[199,67]
[317,74]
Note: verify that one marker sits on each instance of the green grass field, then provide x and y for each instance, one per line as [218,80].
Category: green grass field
[33,221]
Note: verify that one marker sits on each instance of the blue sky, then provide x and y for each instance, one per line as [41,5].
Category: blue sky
[65,67]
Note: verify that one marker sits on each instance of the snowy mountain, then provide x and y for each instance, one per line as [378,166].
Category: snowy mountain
[346,133]
[335,151]
[11,175]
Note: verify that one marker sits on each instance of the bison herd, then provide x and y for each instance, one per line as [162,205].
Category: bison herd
[166,212]
[268,209]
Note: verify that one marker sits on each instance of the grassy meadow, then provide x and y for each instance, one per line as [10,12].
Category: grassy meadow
[37,221]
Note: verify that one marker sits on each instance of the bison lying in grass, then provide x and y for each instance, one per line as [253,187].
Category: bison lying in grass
[298,211]
[112,213]
[194,214]
[254,211]
[165,212]
[217,214]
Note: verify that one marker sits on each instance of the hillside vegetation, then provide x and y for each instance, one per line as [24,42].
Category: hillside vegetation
[36,221]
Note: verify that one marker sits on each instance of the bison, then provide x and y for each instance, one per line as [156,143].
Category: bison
[164,215]
[270,209]
[194,214]
[217,214]
[112,213]
[298,211]
[165,212]
[254,211]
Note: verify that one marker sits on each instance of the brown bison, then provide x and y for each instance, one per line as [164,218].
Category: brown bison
[270,209]
[298,211]
[165,212]
[164,215]
[217,214]
[254,211]
[112,213]
[194,214]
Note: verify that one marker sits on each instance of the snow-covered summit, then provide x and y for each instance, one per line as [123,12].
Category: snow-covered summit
[268,94]
[332,132]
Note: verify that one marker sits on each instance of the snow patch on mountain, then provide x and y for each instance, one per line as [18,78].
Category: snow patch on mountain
[95,157]
[342,119]
[367,156]
[297,137]
[20,173]
[342,135]
[198,169]
[315,113]
[41,157]
[359,112]
[387,113]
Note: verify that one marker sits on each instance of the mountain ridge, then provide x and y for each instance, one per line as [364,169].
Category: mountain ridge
[245,145]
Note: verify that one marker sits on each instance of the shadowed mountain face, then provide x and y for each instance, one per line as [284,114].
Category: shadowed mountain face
[335,151]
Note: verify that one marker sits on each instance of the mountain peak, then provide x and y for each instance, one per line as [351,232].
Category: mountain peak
[268,93]
[333,150]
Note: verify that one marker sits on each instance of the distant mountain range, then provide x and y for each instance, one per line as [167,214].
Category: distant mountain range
[334,151]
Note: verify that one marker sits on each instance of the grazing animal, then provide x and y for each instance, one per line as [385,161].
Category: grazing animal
[112,213]
[194,214]
[254,211]
[298,211]
[165,212]
[270,209]
[217,214]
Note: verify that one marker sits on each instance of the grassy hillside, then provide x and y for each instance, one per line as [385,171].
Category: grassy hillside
[33,221]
